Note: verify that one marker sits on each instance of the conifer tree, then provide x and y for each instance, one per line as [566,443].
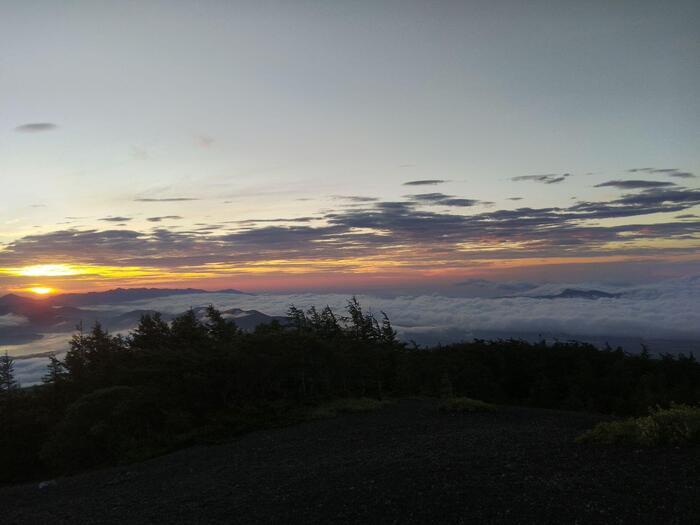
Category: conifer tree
[56,371]
[8,382]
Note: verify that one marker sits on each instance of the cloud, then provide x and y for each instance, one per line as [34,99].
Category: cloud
[12,320]
[166,199]
[424,182]
[666,309]
[653,170]
[204,141]
[139,153]
[164,218]
[634,184]
[414,231]
[442,199]
[551,178]
[30,371]
[515,198]
[653,200]
[354,198]
[115,219]
[671,172]
[279,219]
[35,127]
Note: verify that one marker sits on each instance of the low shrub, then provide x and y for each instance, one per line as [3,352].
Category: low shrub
[106,426]
[464,404]
[678,425]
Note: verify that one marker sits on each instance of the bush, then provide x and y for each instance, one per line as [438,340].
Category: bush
[678,425]
[106,426]
[464,404]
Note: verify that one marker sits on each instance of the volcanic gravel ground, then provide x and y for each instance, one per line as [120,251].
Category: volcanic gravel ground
[406,463]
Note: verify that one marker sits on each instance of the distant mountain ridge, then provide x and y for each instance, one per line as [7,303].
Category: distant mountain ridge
[62,313]
[119,295]
[573,293]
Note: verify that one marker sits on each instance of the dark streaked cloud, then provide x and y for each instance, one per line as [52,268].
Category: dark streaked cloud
[671,172]
[422,234]
[442,199]
[354,198]
[115,219]
[424,182]
[515,198]
[164,218]
[279,219]
[166,199]
[634,184]
[653,170]
[550,178]
[35,127]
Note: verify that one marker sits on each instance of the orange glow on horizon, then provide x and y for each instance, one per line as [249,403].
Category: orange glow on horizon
[41,290]
[392,268]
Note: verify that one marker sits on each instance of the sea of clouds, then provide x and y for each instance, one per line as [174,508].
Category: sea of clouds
[667,311]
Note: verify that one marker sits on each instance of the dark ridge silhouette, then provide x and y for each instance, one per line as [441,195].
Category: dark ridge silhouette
[120,295]
[573,293]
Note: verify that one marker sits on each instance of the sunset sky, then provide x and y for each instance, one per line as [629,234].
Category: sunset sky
[277,146]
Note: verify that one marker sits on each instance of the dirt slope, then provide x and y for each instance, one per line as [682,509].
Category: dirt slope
[403,464]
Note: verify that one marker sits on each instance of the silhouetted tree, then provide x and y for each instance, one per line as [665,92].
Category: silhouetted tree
[151,332]
[8,383]
[56,371]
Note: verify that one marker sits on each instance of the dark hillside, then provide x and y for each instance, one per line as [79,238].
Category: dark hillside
[406,463]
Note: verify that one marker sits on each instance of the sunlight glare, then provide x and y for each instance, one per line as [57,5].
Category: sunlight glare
[48,270]
[40,290]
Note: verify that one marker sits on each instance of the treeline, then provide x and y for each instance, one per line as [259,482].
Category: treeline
[165,385]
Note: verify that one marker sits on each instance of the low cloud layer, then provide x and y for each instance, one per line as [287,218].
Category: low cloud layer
[665,315]
[12,320]
[668,309]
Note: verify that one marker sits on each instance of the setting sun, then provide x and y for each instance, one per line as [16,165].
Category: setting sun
[40,290]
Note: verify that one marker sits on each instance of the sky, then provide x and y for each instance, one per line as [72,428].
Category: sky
[347,146]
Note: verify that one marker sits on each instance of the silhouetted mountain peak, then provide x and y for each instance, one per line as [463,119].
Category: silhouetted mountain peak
[573,293]
[14,299]
[118,295]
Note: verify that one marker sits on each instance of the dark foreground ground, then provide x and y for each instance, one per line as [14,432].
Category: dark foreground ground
[404,464]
